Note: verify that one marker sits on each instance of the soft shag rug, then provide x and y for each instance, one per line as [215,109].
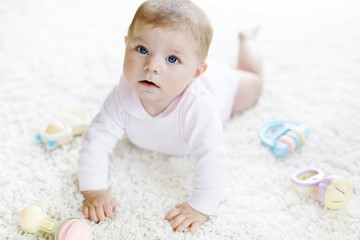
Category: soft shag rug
[56,55]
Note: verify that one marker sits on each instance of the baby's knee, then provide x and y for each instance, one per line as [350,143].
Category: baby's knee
[254,86]
[248,93]
[257,86]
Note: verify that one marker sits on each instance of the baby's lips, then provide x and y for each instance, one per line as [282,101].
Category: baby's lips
[149,83]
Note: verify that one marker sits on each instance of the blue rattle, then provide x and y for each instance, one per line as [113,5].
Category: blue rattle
[283,137]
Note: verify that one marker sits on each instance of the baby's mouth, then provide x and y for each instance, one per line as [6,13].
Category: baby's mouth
[147,83]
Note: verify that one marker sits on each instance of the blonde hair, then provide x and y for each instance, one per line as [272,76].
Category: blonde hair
[181,15]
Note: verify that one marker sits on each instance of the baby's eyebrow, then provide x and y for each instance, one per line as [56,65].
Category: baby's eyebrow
[175,51]
[138,38]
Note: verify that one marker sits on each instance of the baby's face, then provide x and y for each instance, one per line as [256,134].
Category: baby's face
[160,63]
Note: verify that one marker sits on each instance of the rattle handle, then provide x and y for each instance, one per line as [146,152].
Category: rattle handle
[47,224]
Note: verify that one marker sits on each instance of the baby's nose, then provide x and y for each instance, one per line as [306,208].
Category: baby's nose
[153,65]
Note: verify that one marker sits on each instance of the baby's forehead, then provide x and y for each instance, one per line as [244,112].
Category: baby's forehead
[176,27]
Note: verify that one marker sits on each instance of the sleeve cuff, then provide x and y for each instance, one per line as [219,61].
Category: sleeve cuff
[90,180]
[204,207]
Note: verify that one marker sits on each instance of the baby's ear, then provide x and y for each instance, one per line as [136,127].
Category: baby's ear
[200,69]
[125,39]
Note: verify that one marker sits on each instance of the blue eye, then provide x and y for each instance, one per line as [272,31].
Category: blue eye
[173,59]
[142,50]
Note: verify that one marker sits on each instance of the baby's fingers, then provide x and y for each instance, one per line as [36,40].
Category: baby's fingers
[92,215]
[109,209]
[177,221]
[173,213]
[194,226]
[183,225]
[86,212]
[100,214]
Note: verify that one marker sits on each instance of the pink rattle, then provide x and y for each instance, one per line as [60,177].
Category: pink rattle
[334,192]
[33,218]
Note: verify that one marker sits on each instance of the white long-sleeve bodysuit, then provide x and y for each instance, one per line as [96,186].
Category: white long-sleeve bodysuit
[191,124]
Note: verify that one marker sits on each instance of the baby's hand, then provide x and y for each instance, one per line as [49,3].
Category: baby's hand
[98,205]
[183,216]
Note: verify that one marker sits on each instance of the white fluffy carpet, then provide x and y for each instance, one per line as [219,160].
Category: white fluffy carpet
[60,54]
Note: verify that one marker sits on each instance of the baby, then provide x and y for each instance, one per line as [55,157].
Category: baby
[169,100]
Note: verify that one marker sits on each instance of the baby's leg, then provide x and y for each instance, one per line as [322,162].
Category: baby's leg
[251,79]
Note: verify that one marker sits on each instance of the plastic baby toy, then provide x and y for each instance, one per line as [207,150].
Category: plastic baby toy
[33,218]
[283,137]
[70,123]
[334,192]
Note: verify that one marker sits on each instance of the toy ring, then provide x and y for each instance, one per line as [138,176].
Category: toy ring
[307,178]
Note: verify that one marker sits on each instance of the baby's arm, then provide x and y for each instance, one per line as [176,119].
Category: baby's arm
[204,133]
[98,204]
[208,183]
[183,216]
[99,140]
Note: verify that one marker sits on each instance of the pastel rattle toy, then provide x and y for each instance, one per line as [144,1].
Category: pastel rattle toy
[283,137]
[33,219]
[69,123]
[334,192]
